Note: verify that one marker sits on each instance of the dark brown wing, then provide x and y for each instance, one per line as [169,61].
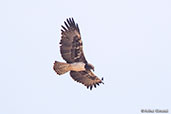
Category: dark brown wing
[86,77]
[71,45]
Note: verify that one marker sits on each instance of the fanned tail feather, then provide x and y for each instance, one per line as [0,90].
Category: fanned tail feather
[61,68]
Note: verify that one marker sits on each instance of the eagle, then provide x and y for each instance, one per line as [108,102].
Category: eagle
[71,49]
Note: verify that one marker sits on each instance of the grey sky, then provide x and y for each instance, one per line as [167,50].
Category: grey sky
[128,42]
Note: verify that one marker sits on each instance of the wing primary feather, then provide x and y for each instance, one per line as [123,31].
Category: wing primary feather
[62,30]
[77,28]
[73,21]
[91,87]
[95,85]
[101,82]
[66,25]
[63,27]
[69,22]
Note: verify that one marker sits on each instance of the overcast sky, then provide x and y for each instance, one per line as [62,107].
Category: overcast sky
[128,42]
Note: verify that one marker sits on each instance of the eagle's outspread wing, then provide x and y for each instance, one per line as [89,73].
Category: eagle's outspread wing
[71,44]
[86,77]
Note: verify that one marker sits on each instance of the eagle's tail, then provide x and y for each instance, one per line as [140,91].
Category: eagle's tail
[61,68]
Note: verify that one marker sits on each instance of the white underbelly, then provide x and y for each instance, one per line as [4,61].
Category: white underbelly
[78,66]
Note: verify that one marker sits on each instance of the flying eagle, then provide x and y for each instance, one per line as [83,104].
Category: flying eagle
[71,48]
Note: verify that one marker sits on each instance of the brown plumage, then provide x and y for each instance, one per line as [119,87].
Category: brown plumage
[86,77]
[71,48]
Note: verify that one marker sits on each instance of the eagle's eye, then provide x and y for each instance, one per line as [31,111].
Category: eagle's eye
[89,67]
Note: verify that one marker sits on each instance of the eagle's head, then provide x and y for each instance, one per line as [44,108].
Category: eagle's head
[89,67]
